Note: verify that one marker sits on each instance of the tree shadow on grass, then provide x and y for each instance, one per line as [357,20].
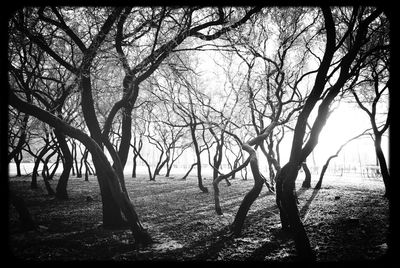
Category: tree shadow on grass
[210,246]
[213,244]
[306,206]
[278,236]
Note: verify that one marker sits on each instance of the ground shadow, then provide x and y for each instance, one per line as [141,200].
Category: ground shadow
[214,243]
[306,206]
[278,235]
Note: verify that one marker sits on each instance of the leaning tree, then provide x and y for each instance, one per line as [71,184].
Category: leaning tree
[78,38]
[32,24]
[345,45]
[371,93]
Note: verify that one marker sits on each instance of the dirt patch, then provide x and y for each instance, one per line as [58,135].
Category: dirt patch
[347,219]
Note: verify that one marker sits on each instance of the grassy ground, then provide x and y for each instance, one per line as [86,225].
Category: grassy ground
[347,219]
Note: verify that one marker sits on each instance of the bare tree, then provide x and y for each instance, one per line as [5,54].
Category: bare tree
[373,89]
[114,200]
[345,64]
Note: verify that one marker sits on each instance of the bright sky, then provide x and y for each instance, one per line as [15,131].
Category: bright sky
[345,122]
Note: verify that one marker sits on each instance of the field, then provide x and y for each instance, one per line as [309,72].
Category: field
[347,219]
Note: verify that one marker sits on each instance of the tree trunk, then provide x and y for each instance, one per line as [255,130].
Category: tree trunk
[197,151]
[235,165]
[78,166]
[61,189]
[113,199]
[244,177]
[290,218]
[217,159]
[324,168]
[21,141]
[272,162]
[220,178]
[73,154]
[169,167]
[382,163]
[46,176]
[152,177]
[199,178]
[36,167]
[307,179]
[79,171]
[88,166]
[126,134]
[75,158]
[136,152]
[46,170]
[83,160]
[53,172]
[271,172]
[112,217]
[188,172]
[17,160]
[251,196]
[160,166]
[134,166]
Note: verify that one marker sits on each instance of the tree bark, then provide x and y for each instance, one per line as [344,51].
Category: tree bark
[61,189]
[197,151]
[152,177]
[251,196]
[126,134]
[219,179]
[382,163]
[134,158]
[289,201]
[73,153]
[22,140]
[17,160]
[36,167]
[112,217]
[188,172]
[136,152]
[53,172]
[286,199]
[287,204]
[307,179]
[46,170]
[259,181]
[114,200]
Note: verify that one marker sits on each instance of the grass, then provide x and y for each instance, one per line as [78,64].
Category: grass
[185,226]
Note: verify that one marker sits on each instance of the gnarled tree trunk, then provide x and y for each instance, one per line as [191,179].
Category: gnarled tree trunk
[289,213]
[382,163]
[251,196]
[61,189]
[114,199]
